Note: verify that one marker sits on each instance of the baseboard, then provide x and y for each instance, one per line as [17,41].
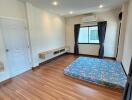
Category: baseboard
[124,69]
[6,81]
[95,56]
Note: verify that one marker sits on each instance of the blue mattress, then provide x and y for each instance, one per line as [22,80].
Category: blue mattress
[103,72]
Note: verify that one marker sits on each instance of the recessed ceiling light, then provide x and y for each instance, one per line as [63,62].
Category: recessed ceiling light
[55,3]
[101,6]
[71,12]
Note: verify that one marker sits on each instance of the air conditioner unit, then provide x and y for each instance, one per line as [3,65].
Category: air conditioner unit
[91,18]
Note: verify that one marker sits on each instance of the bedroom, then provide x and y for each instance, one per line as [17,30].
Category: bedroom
[37,57]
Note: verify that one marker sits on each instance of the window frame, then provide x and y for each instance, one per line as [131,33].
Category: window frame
[88,35]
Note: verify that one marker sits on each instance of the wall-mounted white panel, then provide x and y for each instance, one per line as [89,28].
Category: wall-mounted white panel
[11,9]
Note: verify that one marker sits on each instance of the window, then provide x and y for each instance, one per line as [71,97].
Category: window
[88,35]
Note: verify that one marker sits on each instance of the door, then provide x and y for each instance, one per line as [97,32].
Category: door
[128,89]
[17,46]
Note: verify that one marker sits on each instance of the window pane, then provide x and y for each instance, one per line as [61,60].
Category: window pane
[83,35]
[93,35]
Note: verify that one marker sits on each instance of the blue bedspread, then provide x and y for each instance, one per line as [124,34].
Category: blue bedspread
[103,72]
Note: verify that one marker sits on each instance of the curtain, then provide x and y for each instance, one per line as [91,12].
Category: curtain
[101,33]
[76,35]
[128,89]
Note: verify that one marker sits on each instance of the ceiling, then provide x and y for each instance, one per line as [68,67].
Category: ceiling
[77,6]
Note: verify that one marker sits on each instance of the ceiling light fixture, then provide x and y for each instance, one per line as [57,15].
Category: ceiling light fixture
[101,6]
[55,3]
[71,12]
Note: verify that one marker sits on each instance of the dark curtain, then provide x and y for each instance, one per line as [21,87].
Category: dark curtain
[128,89]
[101,32]
[76,35]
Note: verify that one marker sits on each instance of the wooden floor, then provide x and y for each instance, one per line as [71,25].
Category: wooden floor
[49,83]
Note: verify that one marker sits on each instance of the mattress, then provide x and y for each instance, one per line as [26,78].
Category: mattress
[108,73]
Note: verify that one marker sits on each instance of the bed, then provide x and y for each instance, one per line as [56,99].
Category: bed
[108,73]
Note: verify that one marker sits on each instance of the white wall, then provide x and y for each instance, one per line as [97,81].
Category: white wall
[122,31]
[47,31]
[9,9]
[128,40]
[111,35]
[13,9]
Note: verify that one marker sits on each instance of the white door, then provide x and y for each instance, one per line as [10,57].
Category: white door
[17,46]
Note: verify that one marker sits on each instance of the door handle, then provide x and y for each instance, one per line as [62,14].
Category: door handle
[7,50]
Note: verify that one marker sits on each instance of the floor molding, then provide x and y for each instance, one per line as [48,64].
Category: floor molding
[113,58]
[5,82]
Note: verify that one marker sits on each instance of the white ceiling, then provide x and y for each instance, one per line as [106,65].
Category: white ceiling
[77,6]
